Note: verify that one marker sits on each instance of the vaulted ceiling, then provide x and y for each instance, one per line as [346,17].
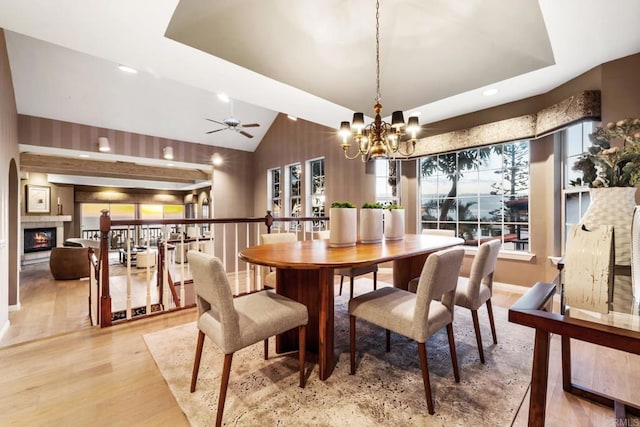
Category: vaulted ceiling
[312,59]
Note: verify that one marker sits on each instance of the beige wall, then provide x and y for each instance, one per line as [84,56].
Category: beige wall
[9,193]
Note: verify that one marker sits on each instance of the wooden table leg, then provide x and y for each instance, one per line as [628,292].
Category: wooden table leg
[405,269]
[539,377]
[313,288]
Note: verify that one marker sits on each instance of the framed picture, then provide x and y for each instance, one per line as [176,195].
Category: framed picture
[38,199]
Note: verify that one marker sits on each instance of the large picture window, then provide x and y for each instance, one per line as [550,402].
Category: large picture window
[275,197]
[480,193]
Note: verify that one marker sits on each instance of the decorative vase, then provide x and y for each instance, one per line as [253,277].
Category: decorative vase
[344,227]
[613,206]
[394,224]
[370,225]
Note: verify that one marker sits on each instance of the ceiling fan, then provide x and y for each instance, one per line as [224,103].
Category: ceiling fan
[232,123]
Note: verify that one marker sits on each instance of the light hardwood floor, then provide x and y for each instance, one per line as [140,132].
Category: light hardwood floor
[57,370]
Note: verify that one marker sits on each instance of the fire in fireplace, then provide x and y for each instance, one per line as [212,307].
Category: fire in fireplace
[39,239]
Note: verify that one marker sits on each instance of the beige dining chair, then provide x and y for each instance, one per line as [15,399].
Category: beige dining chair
[351,272]
[476,290]
[268,274]
[413,283]
[233,324]
[414,315]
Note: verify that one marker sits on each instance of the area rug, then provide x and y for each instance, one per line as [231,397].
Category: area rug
[386,390]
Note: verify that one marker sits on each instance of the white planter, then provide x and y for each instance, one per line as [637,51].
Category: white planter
[343,227]
[394,224]
[371,225]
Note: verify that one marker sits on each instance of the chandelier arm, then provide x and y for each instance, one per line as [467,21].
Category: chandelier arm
[357,153]
[408,152]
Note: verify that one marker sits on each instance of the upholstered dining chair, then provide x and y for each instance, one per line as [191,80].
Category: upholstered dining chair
[439,232]
[416,316]
[233,324]
[476,290]
[351,272]
[269,275]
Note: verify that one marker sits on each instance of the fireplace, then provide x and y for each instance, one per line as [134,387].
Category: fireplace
[39,239]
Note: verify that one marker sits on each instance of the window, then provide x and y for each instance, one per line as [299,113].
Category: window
[275,198]
[574,142]
[294,196]
[316,199]
[388,182]
[480,193]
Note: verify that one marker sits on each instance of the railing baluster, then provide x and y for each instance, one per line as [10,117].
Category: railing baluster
[247,282]
[235,250]
[128,290]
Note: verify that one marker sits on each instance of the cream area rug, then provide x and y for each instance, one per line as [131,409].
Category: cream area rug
[387,388]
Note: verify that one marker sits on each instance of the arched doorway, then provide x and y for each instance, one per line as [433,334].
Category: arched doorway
[13,234]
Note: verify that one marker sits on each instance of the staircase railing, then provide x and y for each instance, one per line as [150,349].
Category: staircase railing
[154,277]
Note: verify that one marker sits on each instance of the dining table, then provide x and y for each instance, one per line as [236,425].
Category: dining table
[304,273]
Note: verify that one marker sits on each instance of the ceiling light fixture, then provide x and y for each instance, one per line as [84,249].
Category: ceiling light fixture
[167,152]
[103,144]
[490,91]
[216,159]
[294,118]
[379,140]
[127,69]
[223,97]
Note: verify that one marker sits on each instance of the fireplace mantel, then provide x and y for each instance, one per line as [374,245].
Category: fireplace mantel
[46,218]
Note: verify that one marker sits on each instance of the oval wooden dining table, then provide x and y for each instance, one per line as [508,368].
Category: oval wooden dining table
[304,272]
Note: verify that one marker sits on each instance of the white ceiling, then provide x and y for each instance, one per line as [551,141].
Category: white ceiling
[437,58]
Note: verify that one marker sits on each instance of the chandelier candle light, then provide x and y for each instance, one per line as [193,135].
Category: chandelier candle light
[379,139]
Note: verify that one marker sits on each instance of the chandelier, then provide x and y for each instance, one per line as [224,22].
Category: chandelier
[379,139]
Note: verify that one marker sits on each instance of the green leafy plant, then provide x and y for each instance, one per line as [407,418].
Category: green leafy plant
[607,166]
[376,205]
[394,207]
[342,205]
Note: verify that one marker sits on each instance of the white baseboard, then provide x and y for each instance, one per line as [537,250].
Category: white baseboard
[4,329]
[15,307]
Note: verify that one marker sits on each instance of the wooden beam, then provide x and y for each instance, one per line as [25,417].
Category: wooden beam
[83,167]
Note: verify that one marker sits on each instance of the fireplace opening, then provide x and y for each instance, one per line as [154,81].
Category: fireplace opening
[39,239]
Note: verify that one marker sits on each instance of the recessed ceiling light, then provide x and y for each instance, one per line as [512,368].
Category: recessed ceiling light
[292,117]
[170,164]
[415,114]
[84,156]
[489,92]
[127,69]
[223,97]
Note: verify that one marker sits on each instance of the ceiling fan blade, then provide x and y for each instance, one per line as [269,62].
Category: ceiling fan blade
[214,131]
[251,125]
[215,121]
[248,135]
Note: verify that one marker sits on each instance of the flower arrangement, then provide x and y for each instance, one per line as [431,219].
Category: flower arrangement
[612,166]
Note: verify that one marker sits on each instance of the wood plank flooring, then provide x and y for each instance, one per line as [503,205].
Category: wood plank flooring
[57,370]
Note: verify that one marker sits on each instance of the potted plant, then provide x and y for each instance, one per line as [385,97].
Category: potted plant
[611,168]
[394,222]
[371,223]
[343,222]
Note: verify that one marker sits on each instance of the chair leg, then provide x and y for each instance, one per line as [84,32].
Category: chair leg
[388,341]
[493,325]
[350,287]
[476,327]
[424,366]
[302,347]
[196,363]
[224,382]
[352,344]
[341,280]
[266,349]
[375,280]
[452,349]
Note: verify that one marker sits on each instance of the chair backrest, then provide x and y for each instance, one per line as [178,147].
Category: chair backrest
[266,239]
[439,232]
[213,293]
[483,265]
[438,280]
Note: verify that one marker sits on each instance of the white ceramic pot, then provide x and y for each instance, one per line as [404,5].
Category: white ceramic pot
[343,227]
[394,224]
[371,225]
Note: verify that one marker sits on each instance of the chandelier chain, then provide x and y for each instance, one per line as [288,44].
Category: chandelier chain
[378,97]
